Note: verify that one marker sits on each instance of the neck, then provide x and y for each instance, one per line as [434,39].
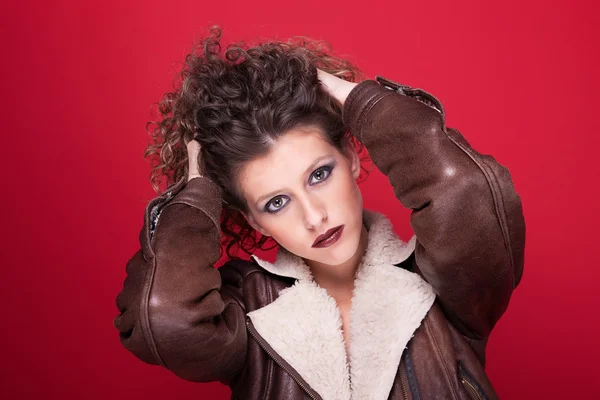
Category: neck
[339,280]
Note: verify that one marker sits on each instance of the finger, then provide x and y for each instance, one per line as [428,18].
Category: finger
[193,149]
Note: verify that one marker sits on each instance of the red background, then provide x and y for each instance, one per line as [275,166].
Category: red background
[518,78]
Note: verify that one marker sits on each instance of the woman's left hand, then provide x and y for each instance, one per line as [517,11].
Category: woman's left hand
[337,87]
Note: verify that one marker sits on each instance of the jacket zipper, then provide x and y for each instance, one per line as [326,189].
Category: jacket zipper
[403,388]
[403,377]
[470,387]
[280,361]
[465,379]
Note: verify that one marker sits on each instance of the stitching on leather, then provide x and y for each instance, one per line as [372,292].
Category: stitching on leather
[369,107]
[145,300]
[441,360]
[354,93]
[269,359]
[145,317]
[411,376]
[501,209]
[498,198]
[370,104]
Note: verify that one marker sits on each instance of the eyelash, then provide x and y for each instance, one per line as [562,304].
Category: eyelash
[327,168]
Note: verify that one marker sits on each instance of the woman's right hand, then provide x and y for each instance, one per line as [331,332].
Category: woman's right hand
[193,149]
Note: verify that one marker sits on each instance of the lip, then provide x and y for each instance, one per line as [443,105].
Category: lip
[329,237]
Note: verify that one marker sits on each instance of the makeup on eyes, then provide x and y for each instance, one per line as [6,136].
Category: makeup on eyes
[327,168]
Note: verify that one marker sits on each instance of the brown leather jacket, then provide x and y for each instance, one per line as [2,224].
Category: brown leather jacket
[178,311]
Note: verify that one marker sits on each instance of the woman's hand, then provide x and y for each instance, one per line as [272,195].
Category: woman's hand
[337,87]
[193,149]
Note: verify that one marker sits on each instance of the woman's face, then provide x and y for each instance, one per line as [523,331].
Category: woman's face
[303,187]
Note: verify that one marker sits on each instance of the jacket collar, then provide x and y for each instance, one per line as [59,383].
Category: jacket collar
[304,326]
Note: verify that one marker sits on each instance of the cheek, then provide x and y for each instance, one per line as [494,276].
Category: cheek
[347,192]
[289,232]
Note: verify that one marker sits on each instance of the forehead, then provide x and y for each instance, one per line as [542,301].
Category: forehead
[285,164]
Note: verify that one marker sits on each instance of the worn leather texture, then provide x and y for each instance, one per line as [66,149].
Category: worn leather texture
[178,311]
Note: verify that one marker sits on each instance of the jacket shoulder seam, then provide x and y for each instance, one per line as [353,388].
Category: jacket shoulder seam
[492,182]
[441,357]
[145,317]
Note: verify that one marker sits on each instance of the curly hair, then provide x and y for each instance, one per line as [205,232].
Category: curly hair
[236,105]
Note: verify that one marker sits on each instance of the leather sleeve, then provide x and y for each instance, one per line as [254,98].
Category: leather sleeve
[466,214]
[176,309]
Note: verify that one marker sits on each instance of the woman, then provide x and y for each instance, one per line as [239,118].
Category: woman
[267,138]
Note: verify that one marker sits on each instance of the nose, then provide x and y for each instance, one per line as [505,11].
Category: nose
[314,212]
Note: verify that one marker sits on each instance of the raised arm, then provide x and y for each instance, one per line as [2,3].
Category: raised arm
[177,310]
[467,216]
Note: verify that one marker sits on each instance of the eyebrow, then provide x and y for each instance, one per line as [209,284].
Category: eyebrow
[310,167]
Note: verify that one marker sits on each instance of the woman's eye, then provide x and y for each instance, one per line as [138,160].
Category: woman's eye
[322,173]
[278,204]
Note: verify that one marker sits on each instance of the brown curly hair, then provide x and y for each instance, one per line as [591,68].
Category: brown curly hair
[236,105]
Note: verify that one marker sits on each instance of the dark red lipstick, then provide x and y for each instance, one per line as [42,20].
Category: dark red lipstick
[329,237]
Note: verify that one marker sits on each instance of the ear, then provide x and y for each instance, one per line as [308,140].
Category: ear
[353,159]
[252,221]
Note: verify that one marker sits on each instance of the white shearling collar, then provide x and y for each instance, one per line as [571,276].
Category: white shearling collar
[304,325]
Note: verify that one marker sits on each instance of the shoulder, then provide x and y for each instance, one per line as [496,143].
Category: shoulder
[256,287]
[238,268]
[240,271]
